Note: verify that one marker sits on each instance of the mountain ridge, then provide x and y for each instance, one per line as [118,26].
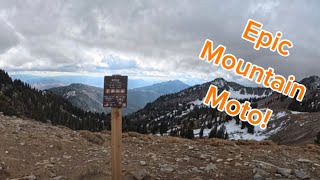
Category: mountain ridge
[90,98]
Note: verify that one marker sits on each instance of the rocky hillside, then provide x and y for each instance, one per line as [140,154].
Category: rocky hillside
[90,98]
[33,150]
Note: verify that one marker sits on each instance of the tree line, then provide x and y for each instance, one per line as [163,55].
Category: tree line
[20,99]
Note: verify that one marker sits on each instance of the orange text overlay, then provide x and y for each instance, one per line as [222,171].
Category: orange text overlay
[234,108]
[251,71]
[265,38]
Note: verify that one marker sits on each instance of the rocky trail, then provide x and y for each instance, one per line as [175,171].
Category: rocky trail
[31,150]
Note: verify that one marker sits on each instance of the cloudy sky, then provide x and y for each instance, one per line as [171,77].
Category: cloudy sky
[151,39]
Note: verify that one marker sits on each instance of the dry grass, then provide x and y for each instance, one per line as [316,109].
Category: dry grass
[146,138]
[94,138]
[246,142]
[106,132]
[134,134]
[177,140]
[218,142]
[252,142]
[267,143]
[313,148]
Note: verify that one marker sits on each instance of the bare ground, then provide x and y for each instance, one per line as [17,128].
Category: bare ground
[34,150]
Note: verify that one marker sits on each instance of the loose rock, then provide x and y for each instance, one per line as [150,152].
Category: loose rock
[139,175]
[301,174]
[304,160]
[210,167]
[284,172]
[143,163]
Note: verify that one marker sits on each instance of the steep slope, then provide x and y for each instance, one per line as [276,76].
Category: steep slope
[33,150]
[90,98]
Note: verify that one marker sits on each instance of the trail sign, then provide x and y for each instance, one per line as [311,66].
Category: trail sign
[115,96]
[115,91]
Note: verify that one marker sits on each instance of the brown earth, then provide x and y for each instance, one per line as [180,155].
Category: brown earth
[32,150]
[297,128]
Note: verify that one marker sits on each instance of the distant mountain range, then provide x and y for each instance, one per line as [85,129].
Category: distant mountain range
[90,98]
[42,83]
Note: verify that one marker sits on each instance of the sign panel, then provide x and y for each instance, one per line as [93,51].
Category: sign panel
[115,91]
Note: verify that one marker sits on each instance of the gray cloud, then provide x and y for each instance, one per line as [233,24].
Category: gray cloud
[8,37]
[158,38]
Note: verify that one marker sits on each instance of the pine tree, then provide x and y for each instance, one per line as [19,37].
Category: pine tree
[209,125]
[221,132]
[190,134]
[317,139]
[163,128]
[226,135]
[213,132]
[250,128]
[201,132]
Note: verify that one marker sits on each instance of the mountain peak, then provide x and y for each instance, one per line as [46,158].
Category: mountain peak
[220,82]
[219,79]
[77,84]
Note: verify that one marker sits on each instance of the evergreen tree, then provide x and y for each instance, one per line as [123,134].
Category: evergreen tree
[209,125]
[213,132]
[163,128]
[221,132]
[201,132]
[317,139]
[250,128]
[226,135]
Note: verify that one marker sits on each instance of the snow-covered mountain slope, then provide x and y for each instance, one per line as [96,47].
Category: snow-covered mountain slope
[276,124]
[177,110]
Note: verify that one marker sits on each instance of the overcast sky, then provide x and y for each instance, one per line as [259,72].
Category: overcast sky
[151,39]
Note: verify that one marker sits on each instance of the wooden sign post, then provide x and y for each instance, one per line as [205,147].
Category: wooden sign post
[115,96]
[116,143]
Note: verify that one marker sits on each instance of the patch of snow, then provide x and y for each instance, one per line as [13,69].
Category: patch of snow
[70,94]
[296,112]
[206,132]
[237,95]
[196,102]
[280,114]
[235,132]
